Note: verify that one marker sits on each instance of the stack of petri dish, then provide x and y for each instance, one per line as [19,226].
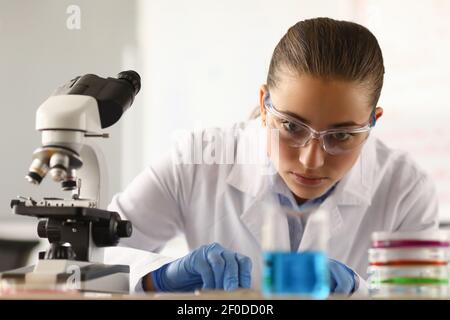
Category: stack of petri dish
[409,265]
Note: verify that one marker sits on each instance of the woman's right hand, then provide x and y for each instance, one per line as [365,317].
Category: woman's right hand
[208,267]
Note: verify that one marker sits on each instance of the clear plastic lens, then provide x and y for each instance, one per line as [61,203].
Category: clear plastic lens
[292,131]
[297,136]
[335,141]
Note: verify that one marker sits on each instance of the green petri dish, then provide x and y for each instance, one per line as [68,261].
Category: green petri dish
[411,281]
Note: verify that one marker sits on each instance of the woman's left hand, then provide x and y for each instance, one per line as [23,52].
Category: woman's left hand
[342,278]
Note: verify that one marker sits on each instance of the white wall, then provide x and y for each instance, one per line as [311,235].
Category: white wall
[205,60]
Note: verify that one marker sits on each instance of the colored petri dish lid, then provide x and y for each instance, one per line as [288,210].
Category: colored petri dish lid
[429,238]
[408,256]
[409,274]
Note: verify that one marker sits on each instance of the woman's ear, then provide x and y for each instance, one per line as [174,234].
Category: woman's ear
[378,113]
[262,109]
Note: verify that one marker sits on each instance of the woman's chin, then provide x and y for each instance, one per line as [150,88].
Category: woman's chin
[308,192]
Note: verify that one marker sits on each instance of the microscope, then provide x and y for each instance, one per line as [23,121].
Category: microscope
[76,228]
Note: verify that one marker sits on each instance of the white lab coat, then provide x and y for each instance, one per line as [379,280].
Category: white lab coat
[384,191]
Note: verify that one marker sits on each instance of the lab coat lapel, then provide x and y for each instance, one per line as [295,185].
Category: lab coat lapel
[254,182]
[252,179]
[311,233]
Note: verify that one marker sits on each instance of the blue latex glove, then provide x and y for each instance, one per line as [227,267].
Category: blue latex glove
[208,267]
[342,278]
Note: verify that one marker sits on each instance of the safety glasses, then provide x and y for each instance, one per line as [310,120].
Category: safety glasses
[296,134]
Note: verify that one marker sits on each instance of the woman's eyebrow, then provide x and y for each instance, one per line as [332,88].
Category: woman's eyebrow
[336,125]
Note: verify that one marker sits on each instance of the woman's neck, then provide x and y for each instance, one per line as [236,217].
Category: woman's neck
[299,200]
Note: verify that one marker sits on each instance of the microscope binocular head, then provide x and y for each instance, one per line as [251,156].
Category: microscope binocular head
[78,110]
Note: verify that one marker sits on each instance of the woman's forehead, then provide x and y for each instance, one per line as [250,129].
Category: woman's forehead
[323,102]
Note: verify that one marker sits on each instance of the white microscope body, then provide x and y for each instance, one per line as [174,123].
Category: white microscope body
[80,120]
[76,228]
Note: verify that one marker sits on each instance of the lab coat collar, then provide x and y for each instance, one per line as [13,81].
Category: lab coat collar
[254,179]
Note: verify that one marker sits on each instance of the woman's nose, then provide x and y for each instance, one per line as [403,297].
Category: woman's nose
[312,155]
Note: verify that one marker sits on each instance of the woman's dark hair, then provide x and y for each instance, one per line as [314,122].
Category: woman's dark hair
[328,48]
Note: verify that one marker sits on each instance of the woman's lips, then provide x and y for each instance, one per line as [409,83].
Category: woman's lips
[307,180]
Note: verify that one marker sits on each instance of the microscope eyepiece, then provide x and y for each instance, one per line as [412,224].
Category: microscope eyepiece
[133,78]
[114,95]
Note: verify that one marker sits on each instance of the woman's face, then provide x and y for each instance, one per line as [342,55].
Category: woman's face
[322,104]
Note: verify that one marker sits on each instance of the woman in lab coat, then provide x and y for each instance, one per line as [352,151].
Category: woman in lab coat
[316,114]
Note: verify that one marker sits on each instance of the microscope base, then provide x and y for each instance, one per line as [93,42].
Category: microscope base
[69,275]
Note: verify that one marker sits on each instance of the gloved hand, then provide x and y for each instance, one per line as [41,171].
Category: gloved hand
[342,278]
[208,267]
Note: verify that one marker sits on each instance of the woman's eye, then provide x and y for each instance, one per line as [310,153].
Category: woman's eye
[290,126]
[342,136]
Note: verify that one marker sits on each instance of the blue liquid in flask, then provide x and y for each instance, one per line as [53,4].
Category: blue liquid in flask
[304,274]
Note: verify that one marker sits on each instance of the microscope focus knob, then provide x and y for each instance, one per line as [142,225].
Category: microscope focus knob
[42,229]
[124,229]
[108,232]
